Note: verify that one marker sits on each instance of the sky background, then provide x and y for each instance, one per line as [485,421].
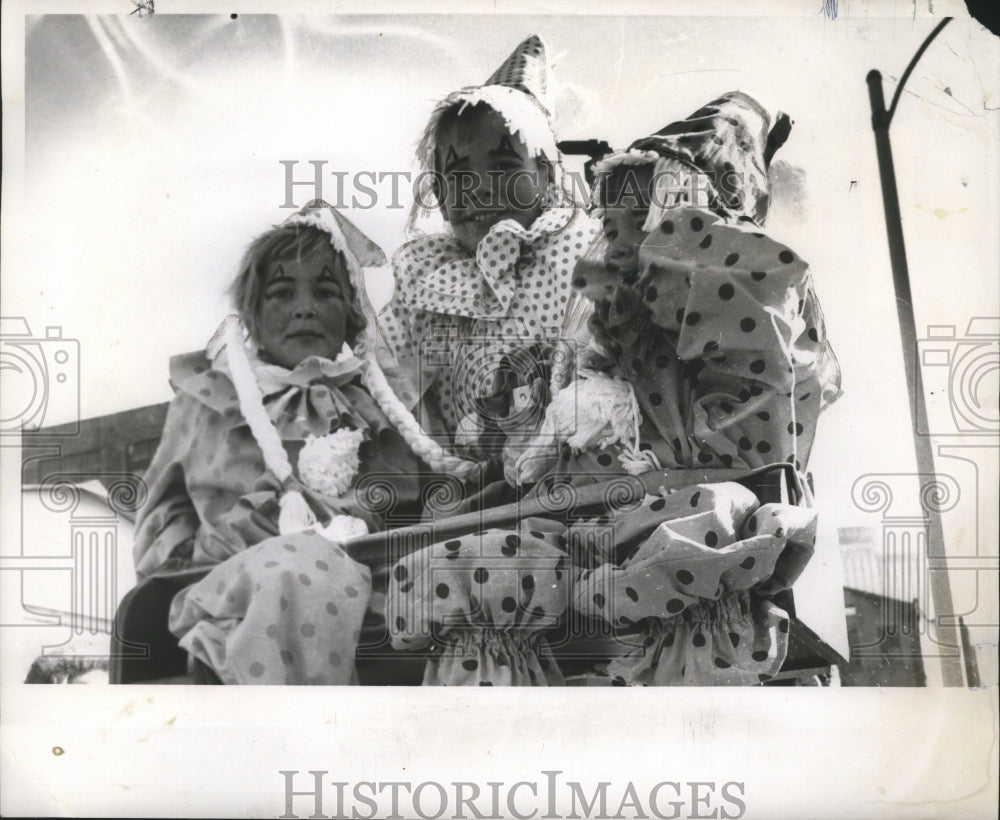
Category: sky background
[153,147]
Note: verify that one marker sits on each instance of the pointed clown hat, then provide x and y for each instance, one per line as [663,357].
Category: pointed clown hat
[518,91]
[717,158]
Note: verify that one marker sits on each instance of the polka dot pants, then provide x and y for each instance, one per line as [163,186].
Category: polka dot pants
[286,611]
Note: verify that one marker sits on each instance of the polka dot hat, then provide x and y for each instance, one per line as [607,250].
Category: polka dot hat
[518,91]
[728,143]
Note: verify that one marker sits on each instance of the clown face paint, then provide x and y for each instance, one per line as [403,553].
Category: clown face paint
[487,175]
[303,310]
[626,206]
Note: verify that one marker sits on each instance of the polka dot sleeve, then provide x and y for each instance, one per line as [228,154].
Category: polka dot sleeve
[686,592]
[744,315]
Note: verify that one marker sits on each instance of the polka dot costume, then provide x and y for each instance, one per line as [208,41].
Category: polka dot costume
[732,140]
[525,69]
[685,600]
[287,610]
[481,603]
[212,503]
[722,338]
[454,316]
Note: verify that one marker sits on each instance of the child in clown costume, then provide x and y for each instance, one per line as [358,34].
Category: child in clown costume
[476,308]
[269,433]
[710,352]
[680,376]
[710,343]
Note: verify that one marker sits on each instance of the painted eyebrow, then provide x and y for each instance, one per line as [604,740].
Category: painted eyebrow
[505,149]
[453,159]
[327,275]
[279,275]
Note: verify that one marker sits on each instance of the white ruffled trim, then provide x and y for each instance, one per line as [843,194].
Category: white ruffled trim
[329,464]
[523,116]
[322,219]
[631,156]
[666,185]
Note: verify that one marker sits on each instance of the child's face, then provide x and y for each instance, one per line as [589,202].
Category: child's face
[488,176]
[303,308]
[625,211]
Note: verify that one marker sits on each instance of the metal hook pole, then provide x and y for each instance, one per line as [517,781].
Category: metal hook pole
[946,635]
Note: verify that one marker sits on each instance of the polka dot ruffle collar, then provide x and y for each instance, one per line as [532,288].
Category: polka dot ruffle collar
[482,287]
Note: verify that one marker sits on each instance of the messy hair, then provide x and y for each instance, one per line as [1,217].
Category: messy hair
[624,185]
[288,243]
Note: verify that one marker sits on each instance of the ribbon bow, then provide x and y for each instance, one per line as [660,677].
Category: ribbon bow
[484,286]
[307,400]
